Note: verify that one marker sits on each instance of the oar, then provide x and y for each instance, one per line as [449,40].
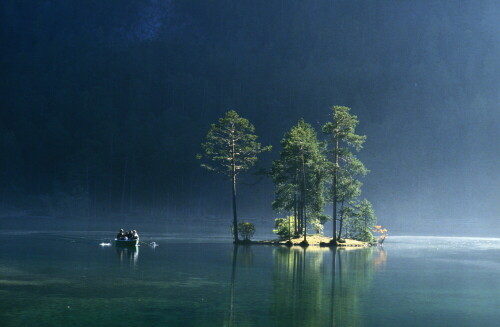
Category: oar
[152,244]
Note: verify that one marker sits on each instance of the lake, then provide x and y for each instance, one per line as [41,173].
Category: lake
[68,279]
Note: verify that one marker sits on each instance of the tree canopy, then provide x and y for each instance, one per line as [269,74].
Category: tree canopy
[231,145]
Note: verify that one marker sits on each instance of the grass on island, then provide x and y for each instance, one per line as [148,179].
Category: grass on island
[315,239]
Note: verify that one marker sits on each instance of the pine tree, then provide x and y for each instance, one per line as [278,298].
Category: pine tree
[345,164]
[231,148]
[300,175]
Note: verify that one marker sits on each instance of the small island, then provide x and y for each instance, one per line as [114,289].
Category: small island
[309,174]
[312,240]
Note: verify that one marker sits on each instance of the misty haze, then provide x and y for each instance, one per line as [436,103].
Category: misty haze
[271,163]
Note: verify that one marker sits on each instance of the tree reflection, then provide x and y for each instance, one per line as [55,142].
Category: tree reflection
[352,275]
[309,292]
[245,254]
[306,287]
[230,318]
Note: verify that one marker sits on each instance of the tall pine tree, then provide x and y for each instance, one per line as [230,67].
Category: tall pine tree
[343,139]
[231,148]
[300,174]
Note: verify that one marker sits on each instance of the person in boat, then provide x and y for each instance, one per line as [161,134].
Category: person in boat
[134,235]
[121,235]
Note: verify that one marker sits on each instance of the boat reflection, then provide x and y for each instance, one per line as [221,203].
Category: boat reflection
[128,254]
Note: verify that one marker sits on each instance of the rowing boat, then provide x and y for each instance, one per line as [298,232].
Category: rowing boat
[126,242]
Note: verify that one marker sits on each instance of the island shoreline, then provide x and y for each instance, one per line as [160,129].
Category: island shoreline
[312,240]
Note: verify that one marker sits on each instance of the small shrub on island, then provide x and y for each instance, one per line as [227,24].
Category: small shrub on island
[246,230]
[284,227]
[366,236]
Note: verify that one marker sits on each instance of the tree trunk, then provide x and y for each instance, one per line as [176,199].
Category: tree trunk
[296,206]
[295,213]
[304,213]
[289,229]
[235,217]
[341,224]
[233,175]
[341,219]
[334,220]
[299,214]
[305,224]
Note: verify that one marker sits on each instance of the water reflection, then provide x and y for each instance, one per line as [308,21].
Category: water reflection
[298,286]
[230,318]
[243,257]
[128,254]
[351,280]
[380,259]
[309,286]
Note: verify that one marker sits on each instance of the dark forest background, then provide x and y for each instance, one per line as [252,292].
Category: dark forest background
[104,104]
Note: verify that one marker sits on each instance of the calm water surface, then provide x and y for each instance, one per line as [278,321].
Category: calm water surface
[68,279]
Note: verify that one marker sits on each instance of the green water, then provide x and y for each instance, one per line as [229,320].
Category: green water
[68,279]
